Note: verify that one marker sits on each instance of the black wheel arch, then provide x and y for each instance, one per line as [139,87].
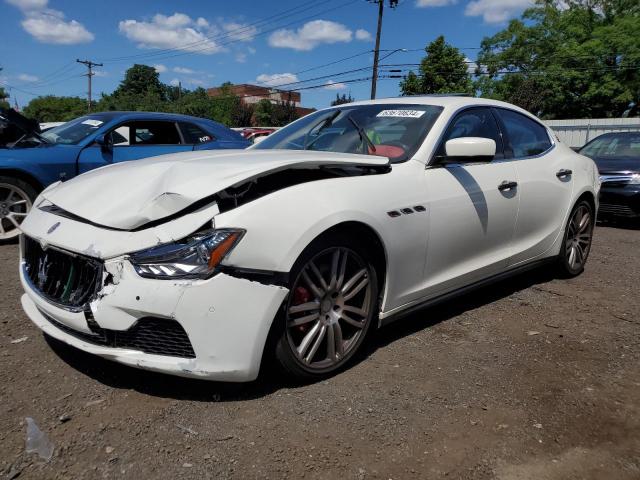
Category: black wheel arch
[371,242]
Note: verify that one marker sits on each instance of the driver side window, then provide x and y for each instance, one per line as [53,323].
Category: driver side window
[474,122]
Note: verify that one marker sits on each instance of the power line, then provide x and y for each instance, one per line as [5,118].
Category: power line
[216,36]
[264,32]
[158,55]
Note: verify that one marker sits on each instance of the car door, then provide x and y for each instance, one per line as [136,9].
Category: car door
[134,140]
[472,209]
[545,185]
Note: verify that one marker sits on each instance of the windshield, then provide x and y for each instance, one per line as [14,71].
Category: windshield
[613,146]
[75,131]
[395,131]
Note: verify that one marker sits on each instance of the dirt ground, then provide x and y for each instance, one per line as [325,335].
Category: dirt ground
[532,378]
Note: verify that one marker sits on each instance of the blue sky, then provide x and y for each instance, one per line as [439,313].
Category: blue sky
[205,43]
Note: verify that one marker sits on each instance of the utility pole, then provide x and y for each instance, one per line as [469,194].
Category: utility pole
[90,73]
[376,52]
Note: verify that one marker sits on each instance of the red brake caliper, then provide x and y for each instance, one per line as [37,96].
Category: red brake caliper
[301,295]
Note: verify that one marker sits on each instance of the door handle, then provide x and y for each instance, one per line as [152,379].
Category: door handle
[563,173]
[507,185]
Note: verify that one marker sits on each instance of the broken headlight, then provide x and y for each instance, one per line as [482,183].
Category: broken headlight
[196,257]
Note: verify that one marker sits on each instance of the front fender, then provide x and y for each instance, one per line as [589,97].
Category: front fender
[45,165]
[282,224]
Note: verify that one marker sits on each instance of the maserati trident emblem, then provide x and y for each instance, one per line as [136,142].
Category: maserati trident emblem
[53,227]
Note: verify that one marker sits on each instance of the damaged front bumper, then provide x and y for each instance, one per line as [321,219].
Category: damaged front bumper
[212,329]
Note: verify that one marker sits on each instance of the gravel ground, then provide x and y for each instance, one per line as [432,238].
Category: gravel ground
[532,378]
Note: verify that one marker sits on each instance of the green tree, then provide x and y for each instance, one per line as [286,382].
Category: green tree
[569,59]
[140,90]
[263,112]
[3,98]
[341,100]
[225,106]
[55,109]
[443,70]
[141,80]
[283,114]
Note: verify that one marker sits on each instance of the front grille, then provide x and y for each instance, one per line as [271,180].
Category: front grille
[63,278]
[619,210]
[157,336]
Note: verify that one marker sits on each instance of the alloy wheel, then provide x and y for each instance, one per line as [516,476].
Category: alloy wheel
[329,308]
[14,207]
[578,242]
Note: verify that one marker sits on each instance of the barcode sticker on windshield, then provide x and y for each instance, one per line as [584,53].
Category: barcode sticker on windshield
[93,123]
[401,113]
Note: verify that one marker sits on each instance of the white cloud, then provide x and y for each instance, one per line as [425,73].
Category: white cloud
[362,34]
[241,57]
[240,32]
[174,82]
[101,73]
[176,31]
[202,22]
[496,11]
[276,79]
[160,68]
[331,85]
[28,4]
[195,81]
[25,77]
[310,35]
[434,3]
[50,26]
[184,70]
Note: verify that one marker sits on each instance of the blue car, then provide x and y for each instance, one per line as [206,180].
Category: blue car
[36,160]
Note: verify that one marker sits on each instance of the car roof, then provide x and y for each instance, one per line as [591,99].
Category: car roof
[618,134]
[110,115]
[444,100]
[207,124]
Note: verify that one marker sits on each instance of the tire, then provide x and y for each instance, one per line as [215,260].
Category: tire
[331,306]
[16,200]
[577,239]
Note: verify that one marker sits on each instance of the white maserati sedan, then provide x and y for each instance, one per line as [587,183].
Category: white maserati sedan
[201,264]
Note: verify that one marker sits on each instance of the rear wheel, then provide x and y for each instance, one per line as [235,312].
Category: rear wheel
[577,240]
[331,305]
[16,199]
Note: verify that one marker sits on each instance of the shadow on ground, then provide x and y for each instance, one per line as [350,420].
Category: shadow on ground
[271,378]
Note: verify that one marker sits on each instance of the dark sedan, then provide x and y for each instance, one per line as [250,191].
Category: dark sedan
[618,158]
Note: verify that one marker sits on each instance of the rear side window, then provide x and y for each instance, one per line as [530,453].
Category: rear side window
[193,134]
[526,137]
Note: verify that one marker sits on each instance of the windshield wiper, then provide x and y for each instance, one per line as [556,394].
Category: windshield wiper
[362,133]
[328,121]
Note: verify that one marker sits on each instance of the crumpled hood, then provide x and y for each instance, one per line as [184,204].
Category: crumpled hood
[130,194]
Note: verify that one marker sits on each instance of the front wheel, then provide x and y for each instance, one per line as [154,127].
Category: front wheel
[577,240]
[16,199]
[330,308]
